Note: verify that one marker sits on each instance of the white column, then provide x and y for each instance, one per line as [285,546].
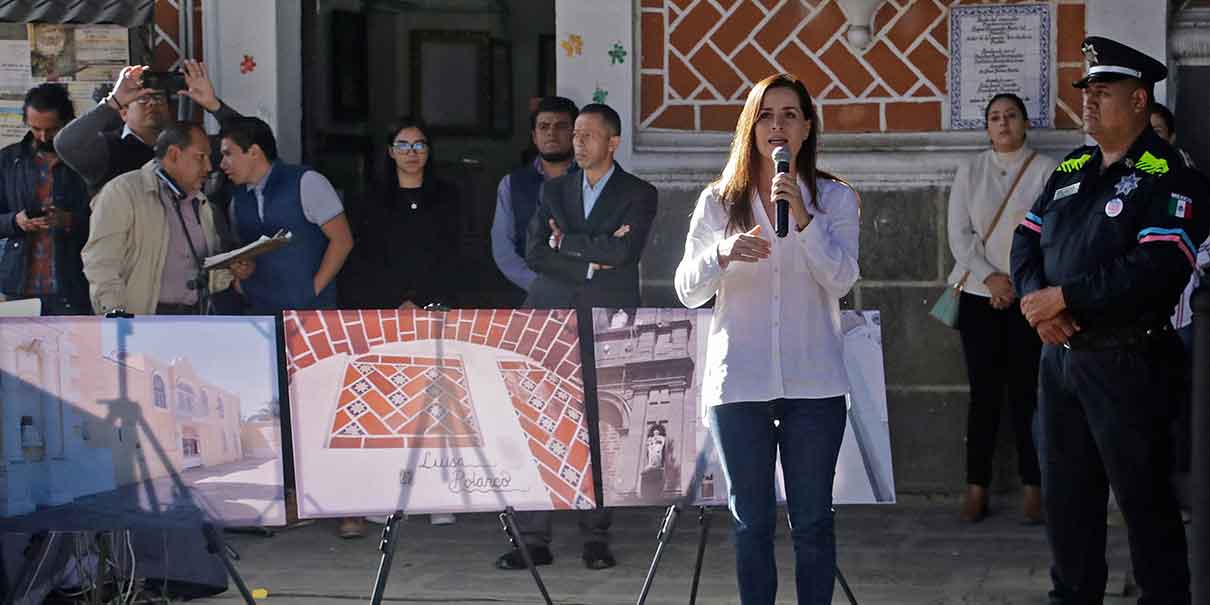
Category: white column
[1140,25]
[591,28]
[254,52]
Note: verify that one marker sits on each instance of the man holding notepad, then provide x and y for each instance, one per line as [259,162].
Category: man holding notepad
[273,196]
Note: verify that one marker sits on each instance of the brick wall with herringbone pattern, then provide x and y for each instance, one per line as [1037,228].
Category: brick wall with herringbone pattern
[699,59]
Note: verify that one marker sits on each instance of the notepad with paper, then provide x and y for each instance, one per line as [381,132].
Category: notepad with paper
[258,247]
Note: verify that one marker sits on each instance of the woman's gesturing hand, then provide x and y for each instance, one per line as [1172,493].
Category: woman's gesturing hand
[747,247]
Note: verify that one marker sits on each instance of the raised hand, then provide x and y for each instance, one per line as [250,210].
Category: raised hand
[199,87]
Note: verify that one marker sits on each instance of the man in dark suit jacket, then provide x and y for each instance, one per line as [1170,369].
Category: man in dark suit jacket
[585,240]
[584,243]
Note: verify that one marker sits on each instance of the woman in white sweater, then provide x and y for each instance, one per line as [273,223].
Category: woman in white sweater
[1001,349]
[774,372]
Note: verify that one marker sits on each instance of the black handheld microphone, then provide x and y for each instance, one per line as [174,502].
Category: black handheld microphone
[781,226]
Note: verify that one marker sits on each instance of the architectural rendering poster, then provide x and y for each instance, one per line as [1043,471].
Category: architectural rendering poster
[655,448]
[437,411]
[145,422]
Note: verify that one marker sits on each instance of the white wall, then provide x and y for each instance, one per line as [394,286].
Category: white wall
[599,24]
[1139,24]
[269,31]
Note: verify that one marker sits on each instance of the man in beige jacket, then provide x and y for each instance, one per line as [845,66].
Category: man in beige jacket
[150,231]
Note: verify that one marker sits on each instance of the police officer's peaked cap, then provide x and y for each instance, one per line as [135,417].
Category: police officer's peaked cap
[1109,60]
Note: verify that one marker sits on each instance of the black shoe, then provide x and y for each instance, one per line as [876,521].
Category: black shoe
[597,556]
[512,559]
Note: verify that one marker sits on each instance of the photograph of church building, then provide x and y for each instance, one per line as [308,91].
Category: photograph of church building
[117,416]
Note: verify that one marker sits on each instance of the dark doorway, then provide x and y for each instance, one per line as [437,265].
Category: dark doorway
[469,67]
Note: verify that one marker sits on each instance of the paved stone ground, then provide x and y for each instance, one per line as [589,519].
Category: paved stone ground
[912,552]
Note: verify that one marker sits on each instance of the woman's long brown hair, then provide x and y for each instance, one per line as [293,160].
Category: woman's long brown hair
[734,186]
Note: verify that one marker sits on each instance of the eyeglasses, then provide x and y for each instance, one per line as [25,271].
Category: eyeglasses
[404,146]
[152,100]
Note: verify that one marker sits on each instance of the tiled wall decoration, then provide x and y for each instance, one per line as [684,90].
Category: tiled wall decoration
[699,59]
[395,401]
[389,400]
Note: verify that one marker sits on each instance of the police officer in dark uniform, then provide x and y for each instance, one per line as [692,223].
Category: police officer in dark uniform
[1099,264]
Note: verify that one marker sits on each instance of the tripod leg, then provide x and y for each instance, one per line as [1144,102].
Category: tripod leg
[386,546]
[703,521]
[509,523]
[844,585]
[216,547]
[662,540]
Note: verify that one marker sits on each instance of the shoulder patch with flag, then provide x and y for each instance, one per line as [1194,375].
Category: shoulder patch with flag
[1180,206]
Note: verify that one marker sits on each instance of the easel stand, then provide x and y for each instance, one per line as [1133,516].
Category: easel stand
[509,523]
[218,548]
[387,546]
[703,521]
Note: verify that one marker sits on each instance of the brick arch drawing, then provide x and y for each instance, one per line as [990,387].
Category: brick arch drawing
[398,401]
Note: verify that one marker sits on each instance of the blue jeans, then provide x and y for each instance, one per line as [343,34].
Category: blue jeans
[808,433]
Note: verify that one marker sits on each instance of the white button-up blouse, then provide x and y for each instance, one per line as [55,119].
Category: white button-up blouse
[775,331]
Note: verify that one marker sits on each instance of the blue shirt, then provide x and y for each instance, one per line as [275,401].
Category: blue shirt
[592,192]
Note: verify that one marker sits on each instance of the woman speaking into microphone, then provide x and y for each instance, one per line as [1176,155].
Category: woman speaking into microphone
[774,375]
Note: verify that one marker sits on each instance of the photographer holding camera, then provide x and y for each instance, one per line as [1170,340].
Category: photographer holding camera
[117,136]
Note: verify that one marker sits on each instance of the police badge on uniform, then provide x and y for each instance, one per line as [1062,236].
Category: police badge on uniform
[1128,183]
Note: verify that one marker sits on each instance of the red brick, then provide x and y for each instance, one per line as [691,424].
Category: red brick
[579,455]
[781,25]
[380,404]
[941,33]
[372,323]
[852,117]
[464,332]
[527,342]
[373,425]
[847,68]
[736,27]
[913,117]
[495,337]
[556,484]
[545,457]
[816,33]
[390,328]
[932,64]
[753,64]
[513,333]
[913,23]
[296,344]
[566,370]
[674,117]
[342,419]
[1071,33]
[357,338]
[394,420]
[885,13]
[893,71]
[310,322]
[693,27]
[345,443]
[681,81]
[652,29]
[342,347]
[717,71]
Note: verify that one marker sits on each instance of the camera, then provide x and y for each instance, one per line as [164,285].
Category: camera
[37,211]
[171,82]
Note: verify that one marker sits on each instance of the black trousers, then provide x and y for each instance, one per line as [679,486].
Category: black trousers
[1002,354]
[1104,421]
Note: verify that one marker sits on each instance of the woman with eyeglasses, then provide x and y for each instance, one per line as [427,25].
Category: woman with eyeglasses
[406,229]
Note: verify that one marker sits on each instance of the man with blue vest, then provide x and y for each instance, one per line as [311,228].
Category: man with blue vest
[518,194]
[271,196]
